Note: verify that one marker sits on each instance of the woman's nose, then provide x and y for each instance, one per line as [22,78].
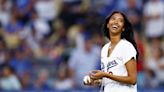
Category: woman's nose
[115,21]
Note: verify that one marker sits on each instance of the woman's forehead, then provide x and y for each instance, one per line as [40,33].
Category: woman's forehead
[117,15]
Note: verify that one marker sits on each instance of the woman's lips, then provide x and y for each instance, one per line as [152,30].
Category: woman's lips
[114,27]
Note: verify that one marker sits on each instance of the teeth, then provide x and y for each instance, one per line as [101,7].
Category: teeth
[114,26]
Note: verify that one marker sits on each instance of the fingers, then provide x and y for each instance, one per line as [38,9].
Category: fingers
[95,71]
[93,74]
[93,77]
[97,81]
[90,74]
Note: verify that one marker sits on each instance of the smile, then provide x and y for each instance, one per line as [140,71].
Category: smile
[114,27]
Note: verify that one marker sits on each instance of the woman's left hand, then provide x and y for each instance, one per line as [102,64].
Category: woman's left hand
[97,74]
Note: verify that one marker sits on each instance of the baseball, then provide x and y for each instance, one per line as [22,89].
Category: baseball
[87,79]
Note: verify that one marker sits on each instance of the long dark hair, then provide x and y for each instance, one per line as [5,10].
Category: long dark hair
[126,34]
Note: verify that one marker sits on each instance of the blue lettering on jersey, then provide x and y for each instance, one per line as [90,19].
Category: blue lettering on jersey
[111,64]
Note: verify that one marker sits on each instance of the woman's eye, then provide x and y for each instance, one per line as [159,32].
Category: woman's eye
[121,20]
[112,18]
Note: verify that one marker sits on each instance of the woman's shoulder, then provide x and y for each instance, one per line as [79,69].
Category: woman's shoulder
[126,43]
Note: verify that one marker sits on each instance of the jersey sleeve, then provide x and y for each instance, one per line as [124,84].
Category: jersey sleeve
[129,52]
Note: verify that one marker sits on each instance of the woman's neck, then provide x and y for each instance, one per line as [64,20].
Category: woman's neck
[114,40]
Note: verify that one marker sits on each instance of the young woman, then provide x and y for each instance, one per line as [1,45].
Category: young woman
[118,56]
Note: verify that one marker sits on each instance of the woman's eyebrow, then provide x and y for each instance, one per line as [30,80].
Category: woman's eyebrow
[121,18]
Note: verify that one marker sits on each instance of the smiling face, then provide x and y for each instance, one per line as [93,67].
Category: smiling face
[116,24]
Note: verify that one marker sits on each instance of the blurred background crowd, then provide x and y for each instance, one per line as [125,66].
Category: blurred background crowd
[49,45]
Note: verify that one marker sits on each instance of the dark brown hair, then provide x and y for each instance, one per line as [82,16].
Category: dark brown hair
[126,34]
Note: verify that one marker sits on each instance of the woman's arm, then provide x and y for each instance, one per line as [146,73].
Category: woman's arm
[132,74]
[130,79]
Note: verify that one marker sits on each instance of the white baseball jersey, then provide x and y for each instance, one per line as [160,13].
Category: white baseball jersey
[115,64]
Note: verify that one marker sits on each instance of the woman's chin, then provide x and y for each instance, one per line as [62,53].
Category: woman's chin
[114,32]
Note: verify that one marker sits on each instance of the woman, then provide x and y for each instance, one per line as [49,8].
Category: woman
[118,56]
